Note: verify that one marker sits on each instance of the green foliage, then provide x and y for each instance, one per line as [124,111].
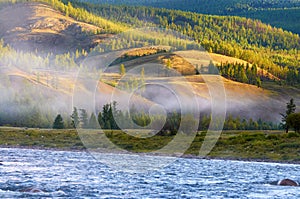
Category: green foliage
[293,135]
[58,122]
[281,17]
[106,118]
[41,138]
[122,69]
[173,121]
[293,120]
[270,145]
[293,76]
[81,14]
[172,124]
[214,28]
[212,69]
[290,109]
[75,118]
[84,118]
[282,14]
[243,38]
[272,49]
[93,123]
[240,72]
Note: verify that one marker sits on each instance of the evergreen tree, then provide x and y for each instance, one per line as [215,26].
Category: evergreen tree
[114,113]
[290,109]
[100,120]
[293,120]
[58,122]
[75,118]
[212,69]
[84,118]
[93,124]
[106,116]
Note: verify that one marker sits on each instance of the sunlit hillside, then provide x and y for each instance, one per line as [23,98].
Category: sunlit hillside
[34,70]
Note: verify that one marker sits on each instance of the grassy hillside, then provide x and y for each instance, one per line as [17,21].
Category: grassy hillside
[270,48]
[27,78]
[44,28]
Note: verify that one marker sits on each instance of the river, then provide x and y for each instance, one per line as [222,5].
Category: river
[78,175]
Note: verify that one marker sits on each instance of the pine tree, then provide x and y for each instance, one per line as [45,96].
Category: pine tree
[84,118]
[75,118]
[100,120]
[58,122]
[93,124]
[293,120]
[290,109]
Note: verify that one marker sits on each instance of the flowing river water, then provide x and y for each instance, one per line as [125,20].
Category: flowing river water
[78,175]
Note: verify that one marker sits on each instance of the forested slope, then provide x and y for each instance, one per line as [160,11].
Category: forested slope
[270,48]
[282,14]
[27,76]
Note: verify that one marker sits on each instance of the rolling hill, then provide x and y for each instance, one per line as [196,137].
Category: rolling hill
[272,49]
[39,26]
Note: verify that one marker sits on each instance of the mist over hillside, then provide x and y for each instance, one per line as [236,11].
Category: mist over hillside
[44,50]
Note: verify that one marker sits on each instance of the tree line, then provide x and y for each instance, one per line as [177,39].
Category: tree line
[240,72]
[267,11]
[112,118]
[106,119]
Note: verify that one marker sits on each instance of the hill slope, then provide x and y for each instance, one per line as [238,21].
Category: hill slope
[31,26]
[268,47]
[25,88]
[281,14]
[242,100]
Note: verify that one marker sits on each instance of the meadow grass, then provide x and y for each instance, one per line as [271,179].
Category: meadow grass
[245,145]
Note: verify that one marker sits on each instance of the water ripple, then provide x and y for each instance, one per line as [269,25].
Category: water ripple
[77,174]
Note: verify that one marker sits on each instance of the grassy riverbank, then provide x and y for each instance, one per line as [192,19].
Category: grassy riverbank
[247,145]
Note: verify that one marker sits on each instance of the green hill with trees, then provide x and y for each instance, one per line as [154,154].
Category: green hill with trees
[270,48]
[266,47]
[282,14]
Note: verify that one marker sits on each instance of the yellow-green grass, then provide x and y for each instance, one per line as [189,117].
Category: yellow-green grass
[243,145]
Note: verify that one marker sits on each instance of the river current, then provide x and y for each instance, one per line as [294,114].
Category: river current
[68,174]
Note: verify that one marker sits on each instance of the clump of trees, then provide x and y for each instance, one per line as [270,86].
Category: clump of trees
[81,14]
[293,120]
[173,121]
[240,72]
[107,117]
